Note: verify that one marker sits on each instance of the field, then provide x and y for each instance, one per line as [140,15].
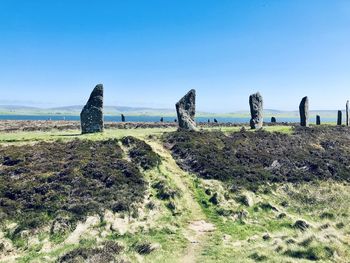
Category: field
[142,194]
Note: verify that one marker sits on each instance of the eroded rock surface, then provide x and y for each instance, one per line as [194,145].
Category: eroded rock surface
[256,110]
[91,117]
[186,109]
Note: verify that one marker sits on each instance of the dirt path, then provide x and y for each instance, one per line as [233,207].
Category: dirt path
[198,228]
[197,234]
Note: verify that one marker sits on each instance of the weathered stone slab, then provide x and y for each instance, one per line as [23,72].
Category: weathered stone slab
[339,119]
[318,120]
[91,117]
[256,110]
[186,110]
[304,112]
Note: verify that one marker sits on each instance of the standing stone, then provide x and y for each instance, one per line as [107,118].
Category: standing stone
[256,110]
[215,120]
[186,109]
[304,112]
[339,117]
[273,119]
[208,120]
[122,117]
[161,119]
[318,120]
[347,113]
[91,117]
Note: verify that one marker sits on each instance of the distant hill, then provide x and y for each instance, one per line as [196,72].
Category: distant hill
[75,110]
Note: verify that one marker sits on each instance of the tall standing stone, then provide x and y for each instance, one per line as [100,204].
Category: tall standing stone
[347,113]
[304,112]
[273,119]
[318,120]
[256,110]
[91,117]
[339,119]
[186,109]
[122,117]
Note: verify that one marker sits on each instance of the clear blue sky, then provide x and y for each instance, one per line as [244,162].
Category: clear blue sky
[150,52]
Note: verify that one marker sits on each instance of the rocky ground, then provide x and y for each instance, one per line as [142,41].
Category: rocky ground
[163,196]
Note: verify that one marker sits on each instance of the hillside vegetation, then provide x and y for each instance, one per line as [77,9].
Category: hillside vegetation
[155,195]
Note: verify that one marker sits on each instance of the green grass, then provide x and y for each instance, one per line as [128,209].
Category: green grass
[318,203]
[34,136]
[246,234]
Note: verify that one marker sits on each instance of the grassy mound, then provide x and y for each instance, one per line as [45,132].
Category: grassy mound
[66,182]
[247,158]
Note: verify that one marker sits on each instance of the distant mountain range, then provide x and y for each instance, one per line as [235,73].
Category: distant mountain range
[137,111]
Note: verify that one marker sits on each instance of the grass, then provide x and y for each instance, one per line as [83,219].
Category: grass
[227,130]
[245,231]
[157,225]
[242,238]
[35,136]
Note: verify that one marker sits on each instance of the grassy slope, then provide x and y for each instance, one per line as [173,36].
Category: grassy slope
[27,137]
[240,228]
[164,229]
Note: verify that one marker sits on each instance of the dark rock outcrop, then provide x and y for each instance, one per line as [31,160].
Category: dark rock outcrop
[161,119]
[304,112]
[215,120]
[347,113]
[186,109]
[256,111]
[122,117]
[339,119]
[273,119]
[91,117]
[318,120]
